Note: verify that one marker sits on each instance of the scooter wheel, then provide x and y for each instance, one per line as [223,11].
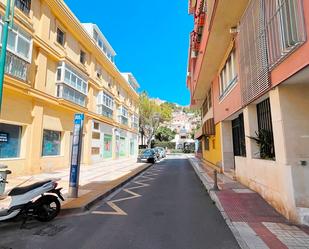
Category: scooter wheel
[47,208]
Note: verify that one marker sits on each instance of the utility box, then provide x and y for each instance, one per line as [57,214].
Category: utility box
[3,175]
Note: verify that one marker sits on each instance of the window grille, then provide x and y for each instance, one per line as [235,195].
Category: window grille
[265,129]
[285,28]
[253,72]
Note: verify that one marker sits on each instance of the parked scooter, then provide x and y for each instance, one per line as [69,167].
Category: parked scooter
[39,200]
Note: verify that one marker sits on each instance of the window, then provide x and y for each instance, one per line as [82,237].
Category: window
[51,143]
[96,135]
[82,57]
[96,126]
[60,37]
[70,94]
[289,24]
[95,151]
[71,85]
[123,115]
[238,132]
[105,104]
[104,48]
[19,42]
[23,5]
[228,75]
[134,121]
[95,35]
[207,103]
[265,132]
[10,140]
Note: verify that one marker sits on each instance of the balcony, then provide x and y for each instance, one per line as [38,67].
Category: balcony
[105,111]
[105,104]
[16,67]
[215,41]
[71,85]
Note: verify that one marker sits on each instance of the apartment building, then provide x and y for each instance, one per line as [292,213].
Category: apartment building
[56,67]
[248,72]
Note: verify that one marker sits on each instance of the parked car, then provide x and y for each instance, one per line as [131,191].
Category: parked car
[149,155]
[162,152]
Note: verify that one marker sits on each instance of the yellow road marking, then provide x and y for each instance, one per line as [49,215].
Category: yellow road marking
[117,209]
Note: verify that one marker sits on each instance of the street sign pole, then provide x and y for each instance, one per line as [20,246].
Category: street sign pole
[76,155]
[8,19]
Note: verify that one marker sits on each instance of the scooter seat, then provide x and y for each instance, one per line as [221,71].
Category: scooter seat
[23,190]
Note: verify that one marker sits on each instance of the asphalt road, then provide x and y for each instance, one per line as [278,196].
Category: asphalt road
[165,208]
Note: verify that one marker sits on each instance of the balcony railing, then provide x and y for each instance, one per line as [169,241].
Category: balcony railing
[285,28]
[16,67]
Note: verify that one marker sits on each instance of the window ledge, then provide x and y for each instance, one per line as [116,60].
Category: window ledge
[266,160]
[51,156]
[12,159]
[62,47]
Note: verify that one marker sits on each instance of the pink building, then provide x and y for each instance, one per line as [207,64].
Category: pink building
[248,72]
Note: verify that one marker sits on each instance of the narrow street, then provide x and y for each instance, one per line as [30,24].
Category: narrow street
[164,208]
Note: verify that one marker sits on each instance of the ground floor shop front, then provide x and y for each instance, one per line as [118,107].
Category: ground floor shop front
[36,136]
[109,142]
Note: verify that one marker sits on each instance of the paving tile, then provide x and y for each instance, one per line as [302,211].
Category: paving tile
[291,236]
[249,236]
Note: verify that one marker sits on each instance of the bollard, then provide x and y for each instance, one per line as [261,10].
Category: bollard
[216,188]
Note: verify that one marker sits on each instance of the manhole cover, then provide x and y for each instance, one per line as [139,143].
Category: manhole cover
[50,230]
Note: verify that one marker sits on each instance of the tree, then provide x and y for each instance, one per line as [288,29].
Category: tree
[164,134]
[151,116]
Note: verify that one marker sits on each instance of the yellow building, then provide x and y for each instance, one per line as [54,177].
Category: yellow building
[56,67]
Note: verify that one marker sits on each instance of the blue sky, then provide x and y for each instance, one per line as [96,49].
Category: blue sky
[151,39]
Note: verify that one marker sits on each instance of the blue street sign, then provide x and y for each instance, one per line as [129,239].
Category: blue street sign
[76,154]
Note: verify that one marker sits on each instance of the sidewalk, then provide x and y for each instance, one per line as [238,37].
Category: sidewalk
[96,181]
[254,223]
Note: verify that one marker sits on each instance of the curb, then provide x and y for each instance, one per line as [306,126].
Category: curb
[207,182]
[90,204]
